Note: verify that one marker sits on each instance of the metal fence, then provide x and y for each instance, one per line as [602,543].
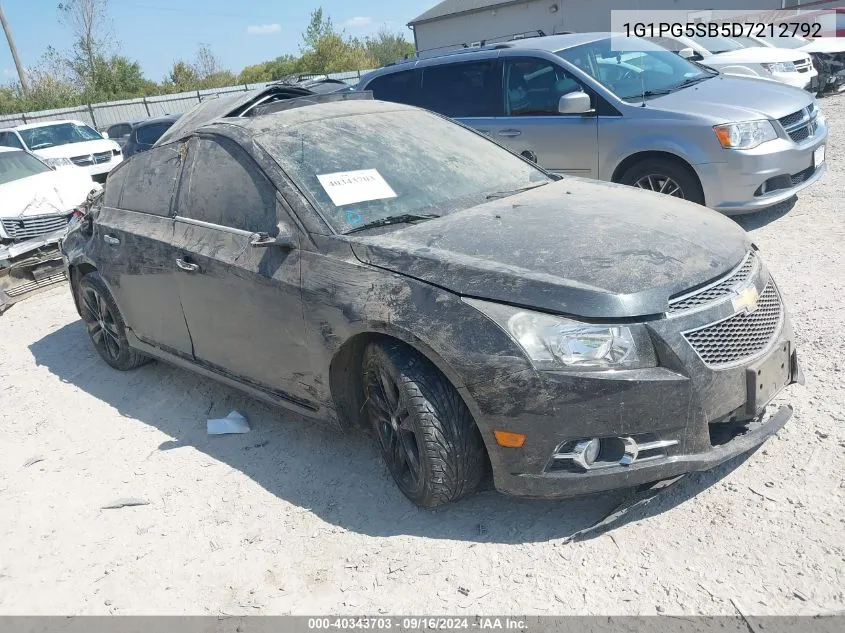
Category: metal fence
[102,115]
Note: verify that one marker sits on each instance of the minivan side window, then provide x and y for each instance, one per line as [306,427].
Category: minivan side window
[226,187]
[533,86]
[398,87]
[150,181]
[468,89]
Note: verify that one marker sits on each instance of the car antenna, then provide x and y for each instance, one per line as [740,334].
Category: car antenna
[642,86]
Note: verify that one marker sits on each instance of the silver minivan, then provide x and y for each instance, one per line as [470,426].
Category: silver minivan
[644,116]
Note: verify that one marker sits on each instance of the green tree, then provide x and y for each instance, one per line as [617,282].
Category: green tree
[325,50]
[386,47]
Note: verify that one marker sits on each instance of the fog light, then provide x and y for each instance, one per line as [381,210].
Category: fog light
[591,451]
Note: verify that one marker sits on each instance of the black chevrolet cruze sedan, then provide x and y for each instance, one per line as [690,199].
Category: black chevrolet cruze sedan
[374,264]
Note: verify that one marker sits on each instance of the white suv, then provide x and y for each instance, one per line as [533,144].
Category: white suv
[727,55]
[67,142]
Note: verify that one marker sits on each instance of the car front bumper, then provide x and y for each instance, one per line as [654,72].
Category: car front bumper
[100,171]
[798,80]
[750,180]
[681,416]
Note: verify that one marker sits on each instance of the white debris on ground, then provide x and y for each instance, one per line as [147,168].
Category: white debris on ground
[293,518]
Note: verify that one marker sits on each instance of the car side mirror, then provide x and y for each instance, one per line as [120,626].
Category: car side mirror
[104,134]
[575,103]
[690,54]
[284,239]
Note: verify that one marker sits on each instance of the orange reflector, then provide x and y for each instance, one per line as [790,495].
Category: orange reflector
[509,440]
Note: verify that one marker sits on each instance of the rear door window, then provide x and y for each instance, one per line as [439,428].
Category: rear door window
[114,185]
[224,186]
[150,181]
[469,89]
[401,87]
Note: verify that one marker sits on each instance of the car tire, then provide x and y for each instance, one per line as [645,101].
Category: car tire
[105,324]
[425,432]
[654,174]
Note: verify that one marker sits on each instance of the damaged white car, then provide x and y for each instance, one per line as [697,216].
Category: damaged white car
[36,203]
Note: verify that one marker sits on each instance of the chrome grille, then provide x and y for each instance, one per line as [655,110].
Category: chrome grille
[791,119]
[742,336]
[102,157]
[29,286]
[803,66]
[717,291]
[82,161]
[800,125]
[24,228]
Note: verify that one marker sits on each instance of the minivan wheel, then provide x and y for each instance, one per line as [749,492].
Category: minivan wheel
[426,434]
[105,325]
[664,176]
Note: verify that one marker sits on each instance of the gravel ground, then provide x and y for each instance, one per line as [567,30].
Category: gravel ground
[293,518]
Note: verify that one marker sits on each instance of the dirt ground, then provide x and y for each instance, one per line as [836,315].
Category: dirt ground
[293,518]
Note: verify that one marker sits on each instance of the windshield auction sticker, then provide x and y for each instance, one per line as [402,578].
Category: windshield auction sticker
[350,187]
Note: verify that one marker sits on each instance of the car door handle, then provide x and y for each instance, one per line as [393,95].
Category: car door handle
[509,133]
[187,266]
[109,239]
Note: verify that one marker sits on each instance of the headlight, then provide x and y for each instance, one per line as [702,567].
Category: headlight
[745,135]
[553,342]
[58,162]
[779,67]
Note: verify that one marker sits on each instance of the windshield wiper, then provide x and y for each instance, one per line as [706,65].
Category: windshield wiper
[691,82]
[513,192]
[405,218]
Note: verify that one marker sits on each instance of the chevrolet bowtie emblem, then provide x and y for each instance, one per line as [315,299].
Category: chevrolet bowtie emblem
[746,300]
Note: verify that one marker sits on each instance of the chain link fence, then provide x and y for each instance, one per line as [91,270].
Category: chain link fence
[102,115]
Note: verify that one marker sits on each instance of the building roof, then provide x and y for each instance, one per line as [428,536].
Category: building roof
[453,7]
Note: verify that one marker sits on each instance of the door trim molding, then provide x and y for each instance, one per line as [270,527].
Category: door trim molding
[216,227]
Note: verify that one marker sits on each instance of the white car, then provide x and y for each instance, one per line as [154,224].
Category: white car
[36,203]
[828,54]
[726,55]
[66,142]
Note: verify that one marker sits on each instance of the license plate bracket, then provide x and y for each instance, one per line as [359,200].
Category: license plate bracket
[765,379]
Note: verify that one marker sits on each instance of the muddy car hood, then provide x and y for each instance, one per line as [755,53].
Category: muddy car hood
[573,247]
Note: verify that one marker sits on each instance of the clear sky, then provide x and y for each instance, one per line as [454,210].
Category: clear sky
[241,32]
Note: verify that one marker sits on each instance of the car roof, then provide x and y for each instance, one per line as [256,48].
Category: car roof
[552,43]
[310,112]
[168,118]
[29,126]
[227,106]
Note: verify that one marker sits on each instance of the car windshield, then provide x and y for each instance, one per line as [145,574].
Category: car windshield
[369,168]
[17,165]
[787,41]
[749,42]
[635,74]
[59,134]
[717,44]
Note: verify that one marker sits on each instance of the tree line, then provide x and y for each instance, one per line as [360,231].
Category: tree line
[92,72]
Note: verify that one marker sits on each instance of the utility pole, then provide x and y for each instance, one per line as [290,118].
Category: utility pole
[14,50]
